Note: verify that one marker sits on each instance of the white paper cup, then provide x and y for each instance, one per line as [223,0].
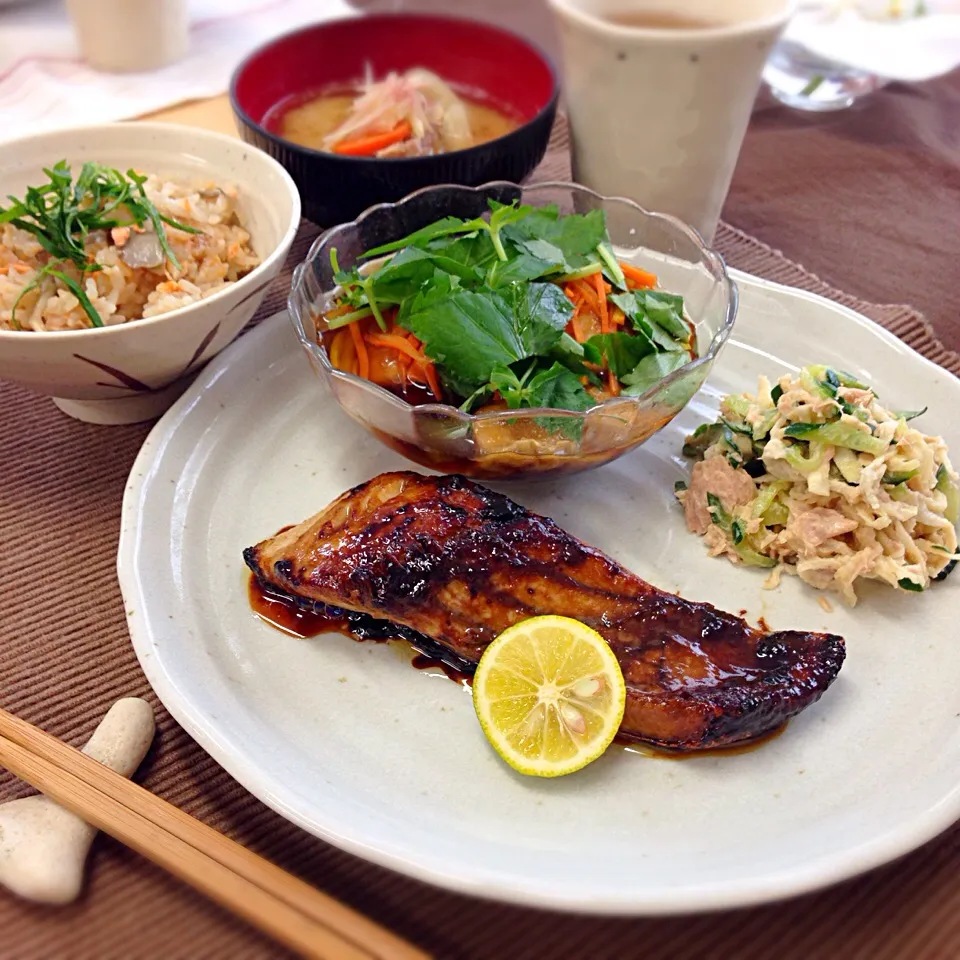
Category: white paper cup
[658,114]
[130,36]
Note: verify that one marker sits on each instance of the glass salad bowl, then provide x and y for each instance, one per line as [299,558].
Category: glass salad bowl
[507,444]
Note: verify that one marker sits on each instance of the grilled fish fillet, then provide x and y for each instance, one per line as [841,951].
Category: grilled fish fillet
[458,564]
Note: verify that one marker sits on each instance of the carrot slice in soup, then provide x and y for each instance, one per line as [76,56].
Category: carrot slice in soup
[371,143]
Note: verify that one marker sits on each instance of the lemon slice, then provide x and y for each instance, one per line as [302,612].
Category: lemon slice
[549,695]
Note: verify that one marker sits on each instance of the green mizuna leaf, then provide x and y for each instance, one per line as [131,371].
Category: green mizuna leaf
[620,351]
[541,312]
[468,334]
[575,236]
[554,386]
[651,370]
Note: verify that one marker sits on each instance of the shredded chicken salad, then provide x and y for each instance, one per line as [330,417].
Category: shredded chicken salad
[814,476]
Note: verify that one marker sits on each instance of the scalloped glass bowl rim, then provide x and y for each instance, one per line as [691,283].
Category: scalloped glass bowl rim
[450,411]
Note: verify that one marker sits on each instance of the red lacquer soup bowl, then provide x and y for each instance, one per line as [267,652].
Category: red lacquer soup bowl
[489,65]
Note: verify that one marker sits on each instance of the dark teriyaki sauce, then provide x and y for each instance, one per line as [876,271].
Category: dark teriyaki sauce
[422,662]
[305,619]
[665,753]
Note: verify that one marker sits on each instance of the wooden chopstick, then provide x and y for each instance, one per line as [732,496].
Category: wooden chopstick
[289,910]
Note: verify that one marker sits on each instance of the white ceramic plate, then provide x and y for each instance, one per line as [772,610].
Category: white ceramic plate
[351,743]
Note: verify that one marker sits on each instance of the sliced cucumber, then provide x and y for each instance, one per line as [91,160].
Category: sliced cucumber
[737,404]
[893,478]
[740,443]
[717,510]
[839,434]
[831,381]
[900,470]
[751,558]
[776,515]
[736,531]
[737,427]
[841,378]
[768,495]
[848,463]
[704,436]
[946,486]
[809,463]
[909,414]
[764,425]
[810,380]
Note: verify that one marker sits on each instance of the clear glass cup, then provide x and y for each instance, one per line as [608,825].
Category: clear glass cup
[529,443]
[804,81]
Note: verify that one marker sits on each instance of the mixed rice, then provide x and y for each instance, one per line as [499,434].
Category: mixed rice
[136,279]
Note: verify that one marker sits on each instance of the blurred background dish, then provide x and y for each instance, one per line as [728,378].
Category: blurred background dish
[483,64]
[835,52]
[45,84]
[525,443]
[122,37]
[132,371]
[804,81]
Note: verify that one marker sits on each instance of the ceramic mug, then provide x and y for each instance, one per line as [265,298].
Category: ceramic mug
[659,94]
[130,36]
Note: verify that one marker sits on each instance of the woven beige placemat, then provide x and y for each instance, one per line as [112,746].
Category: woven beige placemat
[65,657]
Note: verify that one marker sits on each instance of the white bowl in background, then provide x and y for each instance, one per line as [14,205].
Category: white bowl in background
[133,371]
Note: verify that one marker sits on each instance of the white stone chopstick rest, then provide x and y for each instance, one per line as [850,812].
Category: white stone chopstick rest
[43,848]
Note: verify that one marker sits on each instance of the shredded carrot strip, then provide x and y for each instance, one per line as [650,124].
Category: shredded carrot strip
[639,277]
[369,144]
[335,352]
[348,353]
[342,354]
[431,375]
[613,384]
[602,300]
[400,344]
[573,327]
[404,359]
[414,342]
[589,294]
[422,364]
[578,331]
[617,317]
[363,358]
[339,311]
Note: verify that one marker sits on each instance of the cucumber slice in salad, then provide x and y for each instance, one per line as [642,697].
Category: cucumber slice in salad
[839,434]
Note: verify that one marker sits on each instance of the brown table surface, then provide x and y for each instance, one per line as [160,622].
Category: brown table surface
[869,200]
